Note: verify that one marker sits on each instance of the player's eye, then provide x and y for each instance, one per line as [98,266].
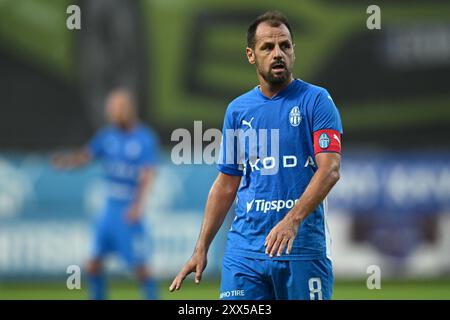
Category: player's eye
[286,45]
[267,47]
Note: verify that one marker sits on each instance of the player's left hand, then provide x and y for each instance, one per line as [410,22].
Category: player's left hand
[281,235]
[133,214]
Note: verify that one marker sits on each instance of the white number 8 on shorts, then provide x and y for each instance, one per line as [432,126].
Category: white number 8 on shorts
[315,286]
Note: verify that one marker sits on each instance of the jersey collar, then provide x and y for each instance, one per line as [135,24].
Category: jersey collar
[280,94]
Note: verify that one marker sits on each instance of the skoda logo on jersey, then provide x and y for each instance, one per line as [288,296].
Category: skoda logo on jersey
[295,117]
[324,141]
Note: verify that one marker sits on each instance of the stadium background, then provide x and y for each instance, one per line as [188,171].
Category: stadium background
[185,60]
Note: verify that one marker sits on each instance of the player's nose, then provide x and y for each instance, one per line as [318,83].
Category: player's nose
[277,53]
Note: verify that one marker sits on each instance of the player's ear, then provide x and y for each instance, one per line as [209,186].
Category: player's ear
[293,51]
[250,55]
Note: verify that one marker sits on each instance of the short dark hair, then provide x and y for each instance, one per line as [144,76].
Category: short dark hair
[274,18]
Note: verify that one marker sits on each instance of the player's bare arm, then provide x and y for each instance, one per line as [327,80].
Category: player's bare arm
[220,198]
[145,182]
[326,176]
[71,160]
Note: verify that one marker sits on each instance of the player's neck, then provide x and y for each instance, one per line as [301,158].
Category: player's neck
[271,90]
[128,126]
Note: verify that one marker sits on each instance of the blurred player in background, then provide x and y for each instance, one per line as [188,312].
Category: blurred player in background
[128,152]
[279,209]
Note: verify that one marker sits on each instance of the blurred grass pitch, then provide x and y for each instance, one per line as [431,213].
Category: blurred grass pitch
[436,289]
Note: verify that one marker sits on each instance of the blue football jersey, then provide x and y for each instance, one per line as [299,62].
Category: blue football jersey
[123,154]
[289,130]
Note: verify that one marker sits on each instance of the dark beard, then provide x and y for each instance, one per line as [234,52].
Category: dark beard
[274,80]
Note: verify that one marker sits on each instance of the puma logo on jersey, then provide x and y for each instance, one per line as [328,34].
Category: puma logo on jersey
[248,123]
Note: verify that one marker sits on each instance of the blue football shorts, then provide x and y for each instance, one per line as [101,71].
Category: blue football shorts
[246,278]
[113,234]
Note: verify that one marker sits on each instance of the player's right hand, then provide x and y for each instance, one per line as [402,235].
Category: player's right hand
[197,263]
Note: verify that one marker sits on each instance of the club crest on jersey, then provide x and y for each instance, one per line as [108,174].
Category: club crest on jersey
[133,149]
[324,141]
[295,117]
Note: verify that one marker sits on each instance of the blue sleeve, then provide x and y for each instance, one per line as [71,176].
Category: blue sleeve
[325,114]
[150,152]
[95,145]
[227,162]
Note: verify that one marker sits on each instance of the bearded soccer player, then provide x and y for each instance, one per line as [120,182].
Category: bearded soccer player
[128,151]
[278,246]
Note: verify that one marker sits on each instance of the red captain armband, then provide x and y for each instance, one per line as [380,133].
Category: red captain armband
[327,140]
